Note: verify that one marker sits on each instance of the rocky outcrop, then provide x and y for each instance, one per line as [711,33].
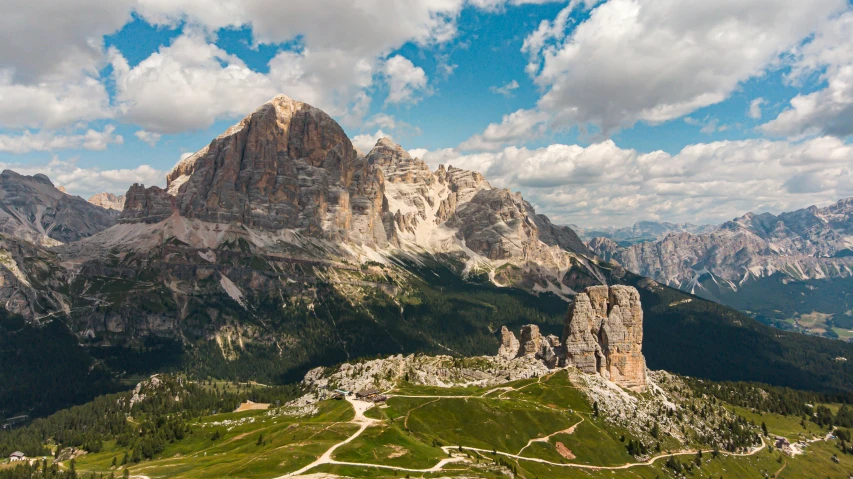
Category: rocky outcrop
[603,334]
[33,209]
[147,205]
[509,344]
[440,371]
[108,201]
[531,345]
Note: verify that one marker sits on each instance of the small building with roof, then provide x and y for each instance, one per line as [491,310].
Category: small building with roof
[367,393]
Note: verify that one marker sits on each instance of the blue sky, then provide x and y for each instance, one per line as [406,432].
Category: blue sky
[601,113]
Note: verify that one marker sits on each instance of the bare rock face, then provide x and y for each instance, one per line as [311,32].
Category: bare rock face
[106,200]
[509,345]
[499,224]
[147,205]
[531,339]
[29,278]
[33,209]
[603,334]
[288,165]
[532,345]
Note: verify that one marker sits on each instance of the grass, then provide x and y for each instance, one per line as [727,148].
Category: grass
[411,431]
[483,422]
[817,463]
[288,443]
[787,426]
[595,444]
[554,391]
[390,445]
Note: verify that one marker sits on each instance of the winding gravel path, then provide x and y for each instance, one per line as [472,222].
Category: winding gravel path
[606,468]
[364,422]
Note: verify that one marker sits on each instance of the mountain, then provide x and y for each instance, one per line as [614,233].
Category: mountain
[758,263]
[641,232]
[108,201]
[278,248]
[33,209]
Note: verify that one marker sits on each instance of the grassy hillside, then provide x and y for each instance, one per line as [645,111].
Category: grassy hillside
[544,427]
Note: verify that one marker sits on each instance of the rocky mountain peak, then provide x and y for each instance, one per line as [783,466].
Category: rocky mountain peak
[42,178]
[33,209]
[286,165]
[290,167]
[397,165]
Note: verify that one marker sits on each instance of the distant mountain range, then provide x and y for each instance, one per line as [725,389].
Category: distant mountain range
[33,209]
[782,268]
[108,201]
[642,231]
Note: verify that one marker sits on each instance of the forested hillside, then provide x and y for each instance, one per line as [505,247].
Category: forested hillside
[438,313]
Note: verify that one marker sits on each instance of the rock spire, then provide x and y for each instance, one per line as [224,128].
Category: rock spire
[602,334]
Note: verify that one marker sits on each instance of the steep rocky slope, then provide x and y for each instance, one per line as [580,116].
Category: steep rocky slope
[33,209]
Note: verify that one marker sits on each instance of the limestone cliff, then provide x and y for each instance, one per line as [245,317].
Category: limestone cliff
[288,165]
[603,334]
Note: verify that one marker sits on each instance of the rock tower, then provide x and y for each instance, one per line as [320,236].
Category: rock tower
[603,334]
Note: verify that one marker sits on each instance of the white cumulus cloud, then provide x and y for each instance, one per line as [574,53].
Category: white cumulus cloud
[635,60]
[148,137]
[517,127]
[603,184]
[755,108]
[829,110]
[45,140]
[505,89]
[405,80]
